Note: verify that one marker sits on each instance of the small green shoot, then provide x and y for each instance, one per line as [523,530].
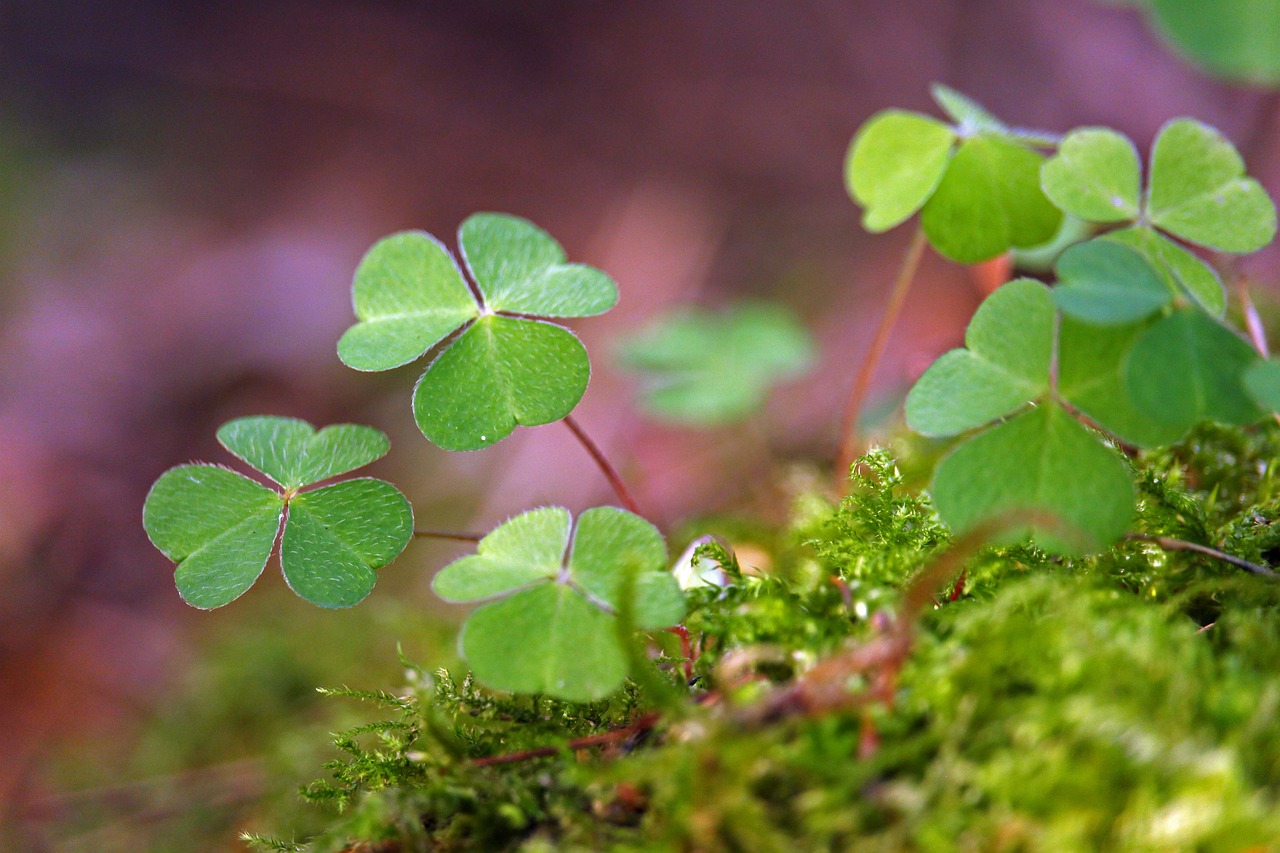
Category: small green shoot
[707,368]
[499,364]
[221,527]
[556,587]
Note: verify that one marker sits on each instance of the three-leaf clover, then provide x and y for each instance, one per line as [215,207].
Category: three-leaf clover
[706,368]
[221,527]
[497,365]
[1040,458]
[1197,191]
[555,588]
[976,183]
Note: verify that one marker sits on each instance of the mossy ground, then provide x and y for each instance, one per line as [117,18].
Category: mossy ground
[1126,701]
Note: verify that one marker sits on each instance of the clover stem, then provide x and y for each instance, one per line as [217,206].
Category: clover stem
[602,462]
[1257,334]
[862,382]
[1168,543]
[447,534]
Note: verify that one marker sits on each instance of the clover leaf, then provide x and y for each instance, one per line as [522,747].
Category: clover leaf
[221,527]
[1043,460]
[1197,189]
[706,368]
[552,628]
[1005,365]
[1235,39]
[976,184]
[1189,368]
[1006,371]
[1262,380]
[497,365]
[1105,281]
[1181,270]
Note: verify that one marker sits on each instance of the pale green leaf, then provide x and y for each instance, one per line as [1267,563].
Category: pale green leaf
[337,535]
[1181,270]
[293,454]
[1096,175]
[969,116]
[548,639]
[1199,191]
[408,296]
[1006,365]
[502,372]
[521,269]
[895,162]
[527,548]
[1041,461]
[706,368]
[1105,281]
[1188,368]
[1091,362]
[989,201]
[218,526]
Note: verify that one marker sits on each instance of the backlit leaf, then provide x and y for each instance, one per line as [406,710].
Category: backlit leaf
[1095,175]
[894,165]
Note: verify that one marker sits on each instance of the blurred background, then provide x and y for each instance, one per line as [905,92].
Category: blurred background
[186,189]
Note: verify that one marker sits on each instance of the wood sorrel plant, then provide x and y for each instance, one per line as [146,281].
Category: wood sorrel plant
[1127,349]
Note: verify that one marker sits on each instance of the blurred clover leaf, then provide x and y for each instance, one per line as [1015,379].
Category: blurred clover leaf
[976,183]
[1106,282]
[497,364]
[1041,458]
[707,368]
[1235,39]
[221,527]
[551,627]
[1197,189]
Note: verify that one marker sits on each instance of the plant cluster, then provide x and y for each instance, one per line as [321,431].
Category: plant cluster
[841,694]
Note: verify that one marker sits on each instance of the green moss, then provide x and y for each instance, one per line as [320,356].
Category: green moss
[1125,701]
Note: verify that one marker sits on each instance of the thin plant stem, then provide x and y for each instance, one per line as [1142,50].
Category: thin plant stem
[605,466]
[1257,334]
[447,534]
[849,439]
[1168,543]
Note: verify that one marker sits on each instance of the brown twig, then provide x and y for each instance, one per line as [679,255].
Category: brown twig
[866,372]
[642,724]
[602,462]
[1168,543]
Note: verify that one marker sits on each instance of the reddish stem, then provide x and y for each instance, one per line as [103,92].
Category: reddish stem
[447,534]
[686,649]
[643,724]
[602,462]
[849,439]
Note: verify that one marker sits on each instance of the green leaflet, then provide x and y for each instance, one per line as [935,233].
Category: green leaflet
[552,628]
[707,368]
[1006,364]
[1231,38]
[1188,368]
[1042,460]
[894,164]
[1105,281]
[1182,271]
[220,527]
[498,366]
[1262,380]
[1197,189]
[293,454]
[976,185]
[989,201]
[1095,175]
[502,372]
[1091,362]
